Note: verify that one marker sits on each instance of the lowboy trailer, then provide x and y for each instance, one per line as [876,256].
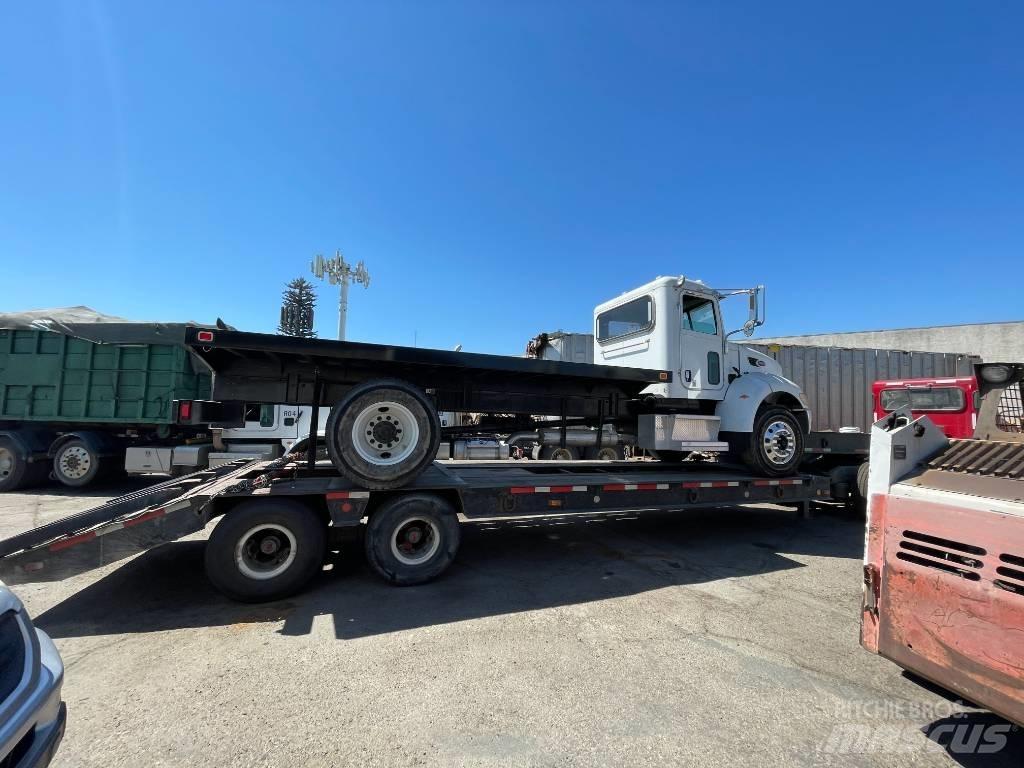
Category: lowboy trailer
[279,518]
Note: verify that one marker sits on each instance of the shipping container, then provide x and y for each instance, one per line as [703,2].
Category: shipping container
[837,381]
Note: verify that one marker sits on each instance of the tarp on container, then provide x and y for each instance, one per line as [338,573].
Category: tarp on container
[86,323]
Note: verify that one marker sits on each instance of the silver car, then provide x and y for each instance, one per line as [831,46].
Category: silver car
[32,715]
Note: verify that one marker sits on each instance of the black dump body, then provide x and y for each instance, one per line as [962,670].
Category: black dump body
[257,367]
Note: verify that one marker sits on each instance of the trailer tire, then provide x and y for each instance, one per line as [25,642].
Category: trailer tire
[15,470]
[377,420]
[862,483]
[605,453]
[77,463]
[412,539]
[558,453]
[775,447]
[265,550]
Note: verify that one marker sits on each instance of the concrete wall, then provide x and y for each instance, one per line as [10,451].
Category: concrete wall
[993,342]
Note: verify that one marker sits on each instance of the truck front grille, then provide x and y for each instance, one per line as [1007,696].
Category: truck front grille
[12,653]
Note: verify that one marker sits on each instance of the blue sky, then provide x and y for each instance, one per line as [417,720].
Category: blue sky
[503,167]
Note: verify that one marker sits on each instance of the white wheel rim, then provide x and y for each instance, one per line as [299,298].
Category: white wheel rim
[561,454]
[415,541]
[74,462]
[607,454]
[385,433]
[265,551]
[6,462]
[779,442]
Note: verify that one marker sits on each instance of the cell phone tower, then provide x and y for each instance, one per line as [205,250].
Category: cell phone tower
[340,273]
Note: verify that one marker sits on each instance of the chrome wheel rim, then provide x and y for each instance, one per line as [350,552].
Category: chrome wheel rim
[6,462]
[74,462]
[265,551]
[415,541]
[779,442]
[561,454]
[385,433]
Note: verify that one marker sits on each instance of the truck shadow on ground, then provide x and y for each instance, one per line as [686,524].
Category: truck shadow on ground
[506,567]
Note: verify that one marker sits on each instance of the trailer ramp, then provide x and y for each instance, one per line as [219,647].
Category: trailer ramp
[120,528]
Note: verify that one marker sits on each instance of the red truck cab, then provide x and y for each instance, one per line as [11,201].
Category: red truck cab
[951,404]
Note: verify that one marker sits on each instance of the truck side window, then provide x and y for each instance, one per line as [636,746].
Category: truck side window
[714,368]
[699,315]
[631,317]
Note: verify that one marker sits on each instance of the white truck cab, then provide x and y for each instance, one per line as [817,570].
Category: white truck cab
[741,403]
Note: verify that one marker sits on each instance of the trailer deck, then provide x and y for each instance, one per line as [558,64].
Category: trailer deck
[478,490]
[276,369]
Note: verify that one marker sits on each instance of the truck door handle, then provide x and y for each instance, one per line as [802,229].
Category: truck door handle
[688,376]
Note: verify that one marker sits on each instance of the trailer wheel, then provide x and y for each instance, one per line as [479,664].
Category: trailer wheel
[605,453]
[558,453]
[862,483]
[776,446]
[76,463]
[15,471]
[383,434]
[265,549]
[412,539]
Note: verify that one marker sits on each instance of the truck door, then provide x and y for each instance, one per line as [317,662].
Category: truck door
[700,347]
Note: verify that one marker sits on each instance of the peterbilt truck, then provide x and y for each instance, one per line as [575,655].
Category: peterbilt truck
[666,374]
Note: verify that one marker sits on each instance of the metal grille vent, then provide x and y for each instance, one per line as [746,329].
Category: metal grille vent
[1012,574]
[953,557]
[1010,410]
[982,457]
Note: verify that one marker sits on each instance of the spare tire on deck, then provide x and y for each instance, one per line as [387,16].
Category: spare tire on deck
[383,434]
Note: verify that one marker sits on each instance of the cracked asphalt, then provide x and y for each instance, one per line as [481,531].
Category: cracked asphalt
[715,638]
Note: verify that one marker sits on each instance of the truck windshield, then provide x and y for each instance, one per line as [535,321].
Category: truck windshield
[923,399]
[631,317]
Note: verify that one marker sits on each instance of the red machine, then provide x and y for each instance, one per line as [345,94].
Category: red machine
[944,561]
[951,404]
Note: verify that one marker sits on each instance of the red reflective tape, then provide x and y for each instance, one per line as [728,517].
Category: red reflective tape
[561,489]
[521,489]
[65,543]
[691,485]
[335,495]
[618,487]
[143,518]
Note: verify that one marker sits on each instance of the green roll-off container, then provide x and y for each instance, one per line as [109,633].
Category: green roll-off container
[77,389]
[52,377]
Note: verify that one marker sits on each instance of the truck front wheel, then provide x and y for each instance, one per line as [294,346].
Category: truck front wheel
[76,463]
[776,446]
[383,434]
[412,539]
[265,550]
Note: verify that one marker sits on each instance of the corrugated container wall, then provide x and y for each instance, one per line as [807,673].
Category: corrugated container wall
[838,381]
